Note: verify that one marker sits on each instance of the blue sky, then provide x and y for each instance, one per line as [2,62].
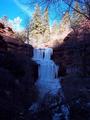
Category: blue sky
[14,9]
[11,9]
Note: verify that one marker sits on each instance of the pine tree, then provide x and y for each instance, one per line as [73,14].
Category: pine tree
[65,22]
[55,27]
[54,30]
[36,26]
[46,26]
[76,16]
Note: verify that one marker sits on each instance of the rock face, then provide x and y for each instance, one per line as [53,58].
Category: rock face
[73,56]
[6,30]
[18,74]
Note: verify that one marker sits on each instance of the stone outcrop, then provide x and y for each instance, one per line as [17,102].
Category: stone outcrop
[6,30]
[18,74]
[73,56]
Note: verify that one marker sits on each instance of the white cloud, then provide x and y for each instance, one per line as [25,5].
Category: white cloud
[24,8]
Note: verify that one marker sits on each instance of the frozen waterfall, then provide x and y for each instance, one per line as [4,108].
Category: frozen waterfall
[48,81]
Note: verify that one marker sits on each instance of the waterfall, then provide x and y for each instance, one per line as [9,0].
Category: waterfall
[48,81]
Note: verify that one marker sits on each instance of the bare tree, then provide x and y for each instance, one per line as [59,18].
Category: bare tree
[55,4]
[85,4]
[27,30]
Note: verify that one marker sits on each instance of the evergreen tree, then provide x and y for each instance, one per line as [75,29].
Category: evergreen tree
[55,27]
[36,26]
[65,22]
[54,30]
[76,16]
[46,26]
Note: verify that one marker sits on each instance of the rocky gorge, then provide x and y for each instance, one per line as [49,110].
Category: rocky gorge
[18,74]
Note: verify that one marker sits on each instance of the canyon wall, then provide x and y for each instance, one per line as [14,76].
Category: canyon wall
[73,57]
[18,74]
